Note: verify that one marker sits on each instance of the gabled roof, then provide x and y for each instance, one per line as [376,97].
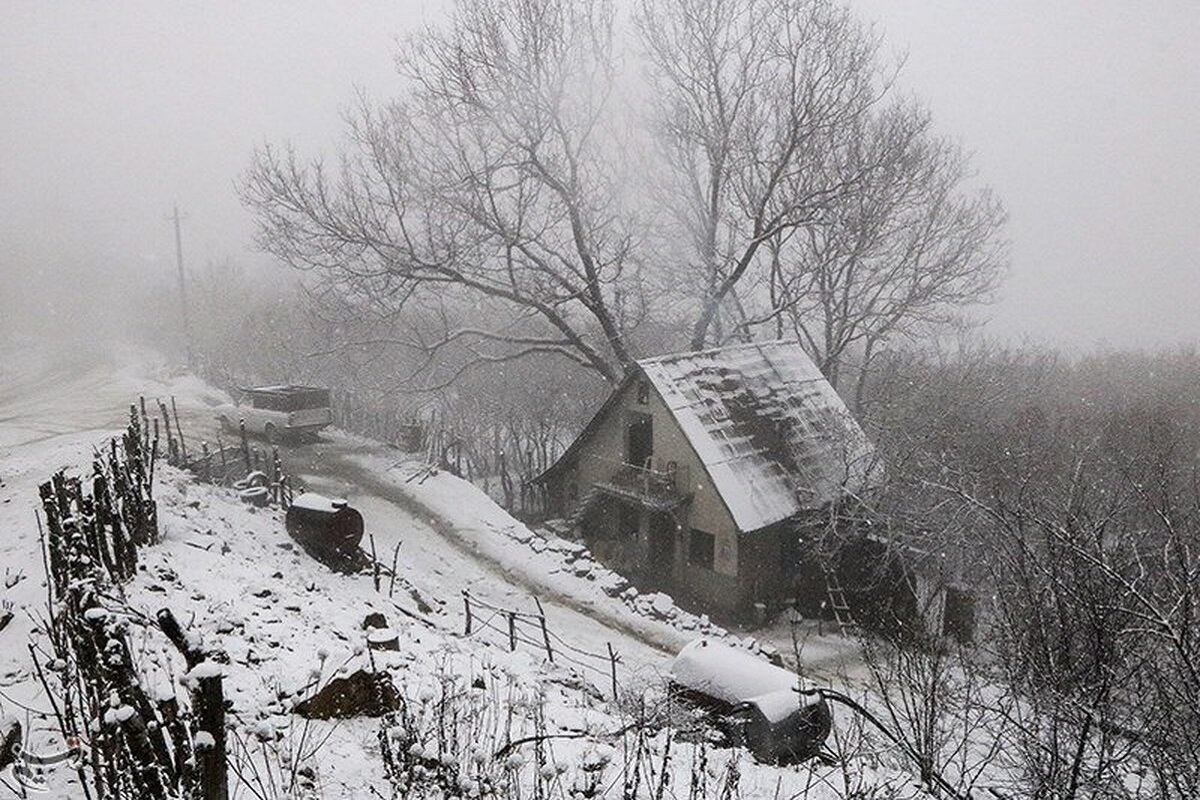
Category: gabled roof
[769,429]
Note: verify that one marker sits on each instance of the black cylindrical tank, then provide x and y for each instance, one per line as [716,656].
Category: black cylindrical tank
[328,529]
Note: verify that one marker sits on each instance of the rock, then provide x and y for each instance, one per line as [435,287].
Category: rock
[583,567]
[537,545]
[611,583]
[572,550]
[362,694]
[662,606]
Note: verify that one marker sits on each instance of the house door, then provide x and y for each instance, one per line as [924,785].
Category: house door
[639,440]
[662,547]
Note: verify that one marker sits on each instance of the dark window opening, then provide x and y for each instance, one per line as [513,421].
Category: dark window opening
[639,440]
[643,392]
[701,547]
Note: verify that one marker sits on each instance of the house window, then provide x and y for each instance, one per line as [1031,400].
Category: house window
[643,392]
[700,549]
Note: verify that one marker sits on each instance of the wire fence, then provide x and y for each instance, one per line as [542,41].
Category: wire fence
[531,629]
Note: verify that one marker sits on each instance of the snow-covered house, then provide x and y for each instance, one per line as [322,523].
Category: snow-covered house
[693,474]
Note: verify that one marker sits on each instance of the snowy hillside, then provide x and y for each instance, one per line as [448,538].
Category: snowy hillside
[230,573]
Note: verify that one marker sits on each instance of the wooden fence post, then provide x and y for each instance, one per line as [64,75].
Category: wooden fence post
[467,606]
[245,443]
[512,631]
[612,658]
[208,712]
[276,475]
[374,563]
[545,630]
[145,419]
[179,430]
[392,578]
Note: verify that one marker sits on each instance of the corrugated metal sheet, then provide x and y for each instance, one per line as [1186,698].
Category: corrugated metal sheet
[772,433]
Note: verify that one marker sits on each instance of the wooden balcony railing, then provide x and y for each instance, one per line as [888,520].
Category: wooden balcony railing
[655,484]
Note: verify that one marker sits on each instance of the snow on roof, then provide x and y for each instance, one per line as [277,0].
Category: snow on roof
[772,433]
[728,674]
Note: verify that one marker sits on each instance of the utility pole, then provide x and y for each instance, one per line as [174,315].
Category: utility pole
[187,325]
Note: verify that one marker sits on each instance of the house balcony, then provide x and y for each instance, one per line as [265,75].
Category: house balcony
[657,486]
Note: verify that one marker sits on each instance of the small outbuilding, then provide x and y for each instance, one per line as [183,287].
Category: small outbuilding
[758,705]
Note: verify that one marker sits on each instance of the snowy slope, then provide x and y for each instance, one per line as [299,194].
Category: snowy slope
[288,625]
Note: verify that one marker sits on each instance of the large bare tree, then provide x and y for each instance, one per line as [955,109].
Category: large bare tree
[512,201]
[486,188]
[754,98]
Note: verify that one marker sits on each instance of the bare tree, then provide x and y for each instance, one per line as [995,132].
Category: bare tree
[905,253]
[508,197]
[486,188]
[754,98]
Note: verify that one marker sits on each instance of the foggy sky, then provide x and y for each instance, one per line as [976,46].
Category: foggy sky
[1084,116]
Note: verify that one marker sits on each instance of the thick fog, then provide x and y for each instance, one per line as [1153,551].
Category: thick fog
[1082,116]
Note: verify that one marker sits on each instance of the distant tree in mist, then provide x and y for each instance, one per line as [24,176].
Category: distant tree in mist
[522,196]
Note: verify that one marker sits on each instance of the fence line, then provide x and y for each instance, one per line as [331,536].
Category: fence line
[473,624]
[502,455]
[94,530]
[257,475]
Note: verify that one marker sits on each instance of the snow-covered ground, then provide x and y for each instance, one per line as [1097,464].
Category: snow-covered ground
[288,624]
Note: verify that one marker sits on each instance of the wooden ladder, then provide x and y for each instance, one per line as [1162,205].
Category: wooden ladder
[837,601]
